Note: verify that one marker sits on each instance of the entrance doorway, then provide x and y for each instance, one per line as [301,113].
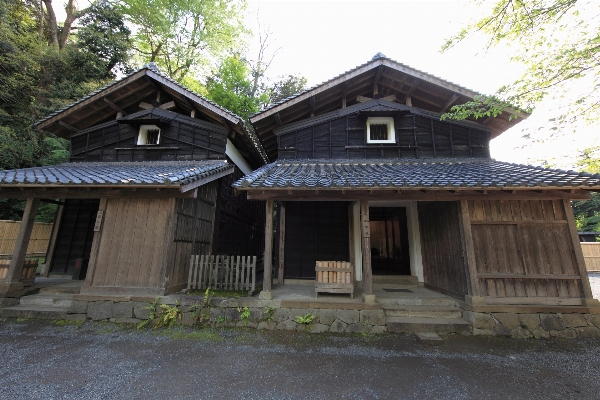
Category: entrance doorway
[75,235]
[389,241]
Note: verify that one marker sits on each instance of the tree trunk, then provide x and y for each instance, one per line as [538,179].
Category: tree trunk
[52,25]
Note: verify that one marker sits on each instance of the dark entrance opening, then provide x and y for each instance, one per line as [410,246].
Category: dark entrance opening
[314,231]
[75,235]
[389,241]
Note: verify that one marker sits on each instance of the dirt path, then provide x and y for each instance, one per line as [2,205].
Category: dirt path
[105,361]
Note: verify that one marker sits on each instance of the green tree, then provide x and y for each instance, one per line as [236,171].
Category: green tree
[558,42]
[285,87]
[231,86]
[184,36]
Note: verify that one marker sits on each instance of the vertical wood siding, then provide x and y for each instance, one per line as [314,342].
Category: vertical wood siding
[524,239]
[191,233]
[241,221]
[443,263]
[416,136]
[132,250]
[179,141]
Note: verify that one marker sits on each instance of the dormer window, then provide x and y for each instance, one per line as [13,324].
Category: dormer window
[381,130]
[149,134]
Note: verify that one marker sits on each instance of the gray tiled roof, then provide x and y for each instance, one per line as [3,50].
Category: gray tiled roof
[167,173]
[410,173]
[376,57]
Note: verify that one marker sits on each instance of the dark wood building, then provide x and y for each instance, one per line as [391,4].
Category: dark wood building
[148,184]
[365,171]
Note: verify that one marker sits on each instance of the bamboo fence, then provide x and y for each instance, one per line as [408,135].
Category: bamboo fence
[591,254]
[38,243]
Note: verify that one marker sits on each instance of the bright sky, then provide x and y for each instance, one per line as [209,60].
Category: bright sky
[322,39]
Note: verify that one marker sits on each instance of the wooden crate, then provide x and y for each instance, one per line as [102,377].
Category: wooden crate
[334,277]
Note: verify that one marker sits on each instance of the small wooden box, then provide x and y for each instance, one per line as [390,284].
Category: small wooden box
[334,277]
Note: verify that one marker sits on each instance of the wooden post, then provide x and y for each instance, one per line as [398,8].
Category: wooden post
[53,237]
[365,231]
[268,263]
[351,234]
[585,281]
[464,222]
[89,277]
[280,278]
[20,250]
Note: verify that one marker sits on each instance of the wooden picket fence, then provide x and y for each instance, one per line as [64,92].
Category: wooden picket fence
[591,255]
[222,272]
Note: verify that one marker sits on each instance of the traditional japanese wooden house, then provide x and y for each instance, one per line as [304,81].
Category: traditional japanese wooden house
[148,184]
[366,172]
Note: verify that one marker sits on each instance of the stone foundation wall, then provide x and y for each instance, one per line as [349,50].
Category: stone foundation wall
[538,326]
[227,313]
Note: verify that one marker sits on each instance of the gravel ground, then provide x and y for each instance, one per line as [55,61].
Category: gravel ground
[51,360]
[595,283]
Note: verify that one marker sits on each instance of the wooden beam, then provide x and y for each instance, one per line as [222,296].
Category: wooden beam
[344,93]
[89,277]
[277,119]
[268,258]
[280,275]
[22,241]
[365,231]
[390,194]
[468,256]
[376,81]
[363,99]
[69,127]
[146,106]
[449,103]
[53,237]
[114,106]
[312,105]
[167,106]
[585,282]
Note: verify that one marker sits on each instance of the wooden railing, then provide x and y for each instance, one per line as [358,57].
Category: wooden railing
[591,255]
[222,272]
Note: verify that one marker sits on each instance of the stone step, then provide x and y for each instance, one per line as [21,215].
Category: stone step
[397,279]
[441,326]
[434,311]
[417,301]
[49,300]
[60,290]
[35,311]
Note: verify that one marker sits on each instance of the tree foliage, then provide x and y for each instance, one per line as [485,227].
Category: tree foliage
[184,36]
[285,87]
[557,40]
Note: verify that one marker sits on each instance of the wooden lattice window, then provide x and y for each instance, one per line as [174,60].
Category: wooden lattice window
[149,134]
[381,130]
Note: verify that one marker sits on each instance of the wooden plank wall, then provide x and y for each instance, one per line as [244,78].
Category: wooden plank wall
[133,247]
[180,141]
[524,249]
[591,254]
[192,233]
[38,244]
[241,221]
[416,136]
[443,263]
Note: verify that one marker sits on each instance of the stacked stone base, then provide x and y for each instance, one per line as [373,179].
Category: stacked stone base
[227,313]
[538,326]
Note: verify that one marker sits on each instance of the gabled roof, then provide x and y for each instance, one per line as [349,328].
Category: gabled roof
[380,77]
[168,174]
[470,173]
[125,93]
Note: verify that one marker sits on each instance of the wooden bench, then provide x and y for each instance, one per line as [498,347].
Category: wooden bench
[334,277]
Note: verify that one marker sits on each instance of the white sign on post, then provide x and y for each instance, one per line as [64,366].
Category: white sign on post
[98,223]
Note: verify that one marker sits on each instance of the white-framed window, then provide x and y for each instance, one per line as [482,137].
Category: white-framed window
[381,130]
[149,134]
